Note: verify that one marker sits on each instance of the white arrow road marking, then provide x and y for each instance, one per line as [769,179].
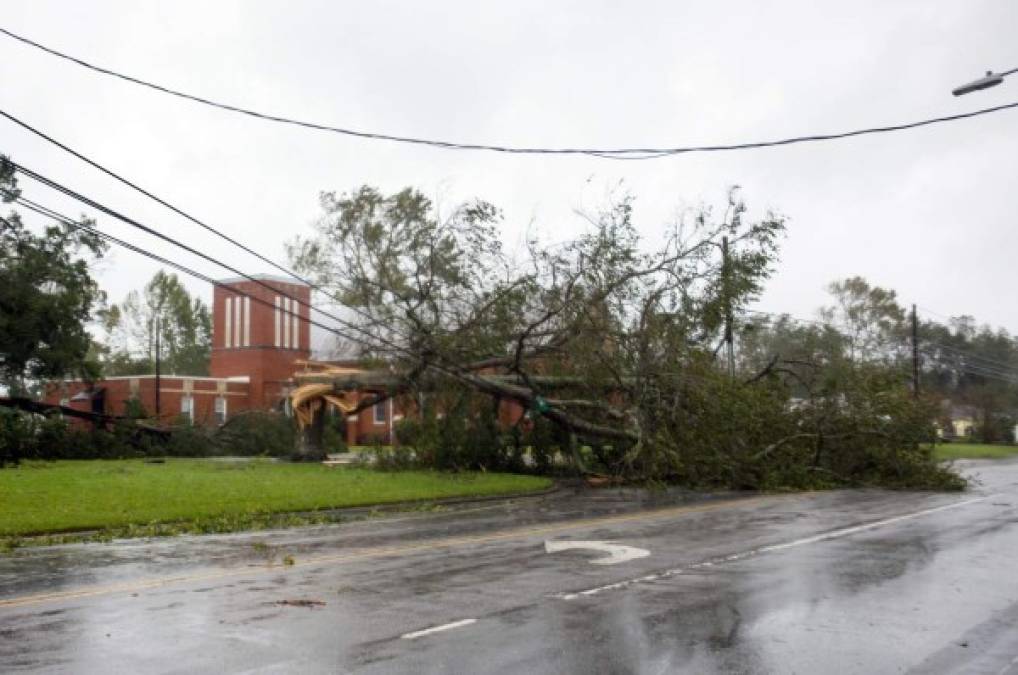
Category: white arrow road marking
[735,557]
[616,552]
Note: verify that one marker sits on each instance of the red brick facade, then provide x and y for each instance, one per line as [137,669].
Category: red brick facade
[256,337]
[192,397]
[260,336]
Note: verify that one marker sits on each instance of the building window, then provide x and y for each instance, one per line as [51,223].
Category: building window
[279,321]
[228,323]
[287,309]
[221,410]
[238,321]
[380,413]
[247,322]
[187,408]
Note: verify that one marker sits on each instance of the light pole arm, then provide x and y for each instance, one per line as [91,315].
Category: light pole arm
[991,79]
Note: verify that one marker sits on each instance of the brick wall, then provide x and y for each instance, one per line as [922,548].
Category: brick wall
[116,393]
[260,340]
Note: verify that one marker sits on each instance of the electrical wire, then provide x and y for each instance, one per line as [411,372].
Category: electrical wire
[784,315]
[976,370]
[211,229]
[70,222]
[50,213]
[985,361]
[149,230]
[972,355]
[838,329]
[451,369]
[975,364]
[603,153]
[163,202]
[970,369]
[973,367]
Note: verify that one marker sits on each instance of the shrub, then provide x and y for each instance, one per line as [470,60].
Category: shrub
[407,431]
[399,458]
[17,440]
[30,436]
[334,434]
[135,409]
[256,433]
[189,441]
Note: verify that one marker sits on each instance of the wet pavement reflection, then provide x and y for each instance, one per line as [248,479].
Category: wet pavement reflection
[746,586]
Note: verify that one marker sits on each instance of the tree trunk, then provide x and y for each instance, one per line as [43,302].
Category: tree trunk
[311,445]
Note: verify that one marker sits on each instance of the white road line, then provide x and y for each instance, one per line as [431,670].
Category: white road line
[825,536]
[1008,667]
[437,629]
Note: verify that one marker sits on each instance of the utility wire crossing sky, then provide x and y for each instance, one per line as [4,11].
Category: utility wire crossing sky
[927,213]
[605,153]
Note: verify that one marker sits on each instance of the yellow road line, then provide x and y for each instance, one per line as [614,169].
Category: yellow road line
[384,551]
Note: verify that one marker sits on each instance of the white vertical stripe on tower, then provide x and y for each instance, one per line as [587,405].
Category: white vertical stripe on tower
[228,323]
[247,322]
[236,321]
[296,326]
[279,322]
[286,323]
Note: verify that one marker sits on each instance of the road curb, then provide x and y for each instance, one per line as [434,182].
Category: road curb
[333,516]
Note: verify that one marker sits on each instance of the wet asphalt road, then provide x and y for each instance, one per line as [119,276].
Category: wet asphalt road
[850,581]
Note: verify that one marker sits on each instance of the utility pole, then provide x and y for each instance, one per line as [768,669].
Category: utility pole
[915,353]
[156,320]
[727,294]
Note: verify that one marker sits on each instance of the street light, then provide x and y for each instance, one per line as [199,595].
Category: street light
[992,79]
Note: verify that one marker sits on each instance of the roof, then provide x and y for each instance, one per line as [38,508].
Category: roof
[166,376]
[262,277]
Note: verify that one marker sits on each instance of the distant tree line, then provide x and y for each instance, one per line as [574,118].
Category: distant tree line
[966,370]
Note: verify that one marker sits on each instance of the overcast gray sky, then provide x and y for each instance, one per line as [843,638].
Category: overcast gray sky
[928,212]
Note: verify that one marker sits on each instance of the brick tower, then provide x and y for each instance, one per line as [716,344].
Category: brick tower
[260,340]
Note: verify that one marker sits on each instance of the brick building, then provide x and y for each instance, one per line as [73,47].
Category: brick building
[258,336]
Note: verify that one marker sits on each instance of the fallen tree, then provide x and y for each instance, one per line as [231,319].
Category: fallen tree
[610,342]
[99,419]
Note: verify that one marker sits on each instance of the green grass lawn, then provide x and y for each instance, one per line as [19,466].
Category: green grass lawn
[46,497]
[945,451]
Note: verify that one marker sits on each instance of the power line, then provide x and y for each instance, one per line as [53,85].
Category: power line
[927,310]
[839,329]
[59,217]
[451,369]
[971,355]
[197,221]
[951,319]
[604,153]
[158,199]
[987,376]
[149,230]
[55,215]
[50,213]
[977,370]
[974,369]
[207,227]
[974,365]
[961,353]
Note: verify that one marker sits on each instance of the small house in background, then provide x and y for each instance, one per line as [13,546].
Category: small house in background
[957,422]
[260,338]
